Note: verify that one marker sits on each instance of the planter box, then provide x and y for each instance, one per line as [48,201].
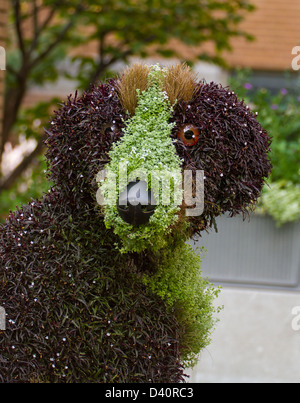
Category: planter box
[252,252]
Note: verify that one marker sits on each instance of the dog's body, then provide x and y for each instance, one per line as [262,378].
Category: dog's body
[79,310]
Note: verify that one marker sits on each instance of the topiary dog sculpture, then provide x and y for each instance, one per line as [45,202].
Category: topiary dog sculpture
[97,279]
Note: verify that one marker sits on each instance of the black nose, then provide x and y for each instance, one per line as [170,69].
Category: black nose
[134,204]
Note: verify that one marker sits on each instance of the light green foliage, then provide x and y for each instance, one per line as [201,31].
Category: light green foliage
[147,152]
[178,281]
[281,200]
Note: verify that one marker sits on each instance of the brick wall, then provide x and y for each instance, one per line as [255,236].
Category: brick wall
[3,26]
[276,28]
[275,24]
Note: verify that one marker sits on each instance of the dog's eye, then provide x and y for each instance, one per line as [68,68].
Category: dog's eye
[189,134]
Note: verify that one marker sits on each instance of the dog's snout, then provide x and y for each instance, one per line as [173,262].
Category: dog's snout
[136,203]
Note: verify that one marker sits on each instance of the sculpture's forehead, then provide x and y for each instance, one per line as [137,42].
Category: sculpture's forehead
[179,83]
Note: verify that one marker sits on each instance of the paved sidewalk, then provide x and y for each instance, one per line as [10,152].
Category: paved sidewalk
[256,340]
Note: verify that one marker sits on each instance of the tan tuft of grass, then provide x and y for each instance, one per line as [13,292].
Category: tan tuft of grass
[134,77]
[180,82]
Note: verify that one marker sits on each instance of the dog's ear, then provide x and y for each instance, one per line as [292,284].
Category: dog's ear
[179,83]
[134,78]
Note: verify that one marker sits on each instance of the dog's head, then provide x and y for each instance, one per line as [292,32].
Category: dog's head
[158,151]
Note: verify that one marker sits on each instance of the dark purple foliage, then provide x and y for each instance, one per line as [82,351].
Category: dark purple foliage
[77,310]
[232,150]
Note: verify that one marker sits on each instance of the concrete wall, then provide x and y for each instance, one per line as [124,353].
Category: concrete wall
[256,340]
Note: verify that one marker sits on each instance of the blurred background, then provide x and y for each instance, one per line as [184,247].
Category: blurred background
[54,47]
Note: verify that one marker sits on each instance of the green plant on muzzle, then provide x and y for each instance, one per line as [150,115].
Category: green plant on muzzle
[146,151]
[178,281]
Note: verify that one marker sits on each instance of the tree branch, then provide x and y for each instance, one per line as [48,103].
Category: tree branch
[13,71]
[59,38]
[17,12]
[102,65]
[15,174]
[35,18]
[41,28]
